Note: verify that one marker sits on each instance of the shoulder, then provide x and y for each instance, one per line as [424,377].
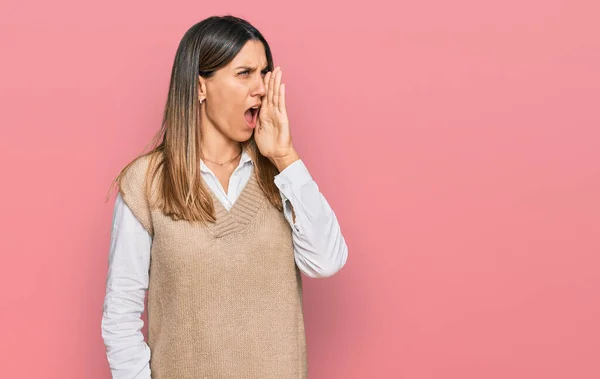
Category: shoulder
[135,174]
[134,189]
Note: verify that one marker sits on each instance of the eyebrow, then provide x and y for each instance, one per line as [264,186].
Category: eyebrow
[251,68]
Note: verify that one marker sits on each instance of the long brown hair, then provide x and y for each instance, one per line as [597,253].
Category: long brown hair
[206,47]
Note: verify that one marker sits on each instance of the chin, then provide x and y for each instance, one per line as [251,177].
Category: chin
[246,134]
[242,136]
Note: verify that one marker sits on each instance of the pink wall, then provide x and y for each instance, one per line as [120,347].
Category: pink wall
[457,141]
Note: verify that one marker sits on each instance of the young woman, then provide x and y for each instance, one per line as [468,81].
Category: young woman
[216,223]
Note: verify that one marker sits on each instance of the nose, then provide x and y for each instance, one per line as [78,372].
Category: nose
[260,89]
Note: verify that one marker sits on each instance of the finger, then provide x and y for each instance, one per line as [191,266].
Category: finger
[276,89]
[267,86]
[271,80]
[266,81]
[282,98]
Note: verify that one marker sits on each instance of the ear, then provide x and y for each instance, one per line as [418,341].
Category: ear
[201,88]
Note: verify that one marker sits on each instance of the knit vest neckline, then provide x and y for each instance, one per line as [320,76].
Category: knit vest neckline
[243,211]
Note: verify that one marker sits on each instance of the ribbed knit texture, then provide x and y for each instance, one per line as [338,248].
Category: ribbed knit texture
[224,299]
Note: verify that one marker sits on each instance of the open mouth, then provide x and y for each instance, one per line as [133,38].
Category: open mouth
[251,115]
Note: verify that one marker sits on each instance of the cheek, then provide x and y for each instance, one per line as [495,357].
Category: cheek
[218,105]
[228,100]
[224,113]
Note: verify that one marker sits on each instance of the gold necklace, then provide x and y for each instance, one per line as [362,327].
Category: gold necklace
[222,164]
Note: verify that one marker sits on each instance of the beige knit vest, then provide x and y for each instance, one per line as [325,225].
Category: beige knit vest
[224,299]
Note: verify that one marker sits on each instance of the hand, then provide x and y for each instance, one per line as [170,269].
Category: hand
[272,134]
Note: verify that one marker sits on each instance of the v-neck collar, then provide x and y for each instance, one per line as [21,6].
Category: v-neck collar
[242,212]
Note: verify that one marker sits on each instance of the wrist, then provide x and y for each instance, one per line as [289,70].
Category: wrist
[283,161]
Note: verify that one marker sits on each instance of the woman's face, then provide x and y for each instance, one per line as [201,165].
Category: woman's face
[233,90]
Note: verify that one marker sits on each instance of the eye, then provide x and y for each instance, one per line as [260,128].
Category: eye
[245,72]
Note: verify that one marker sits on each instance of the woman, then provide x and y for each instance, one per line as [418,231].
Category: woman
[217,222]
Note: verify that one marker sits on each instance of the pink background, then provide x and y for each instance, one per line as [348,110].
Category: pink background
[458,143]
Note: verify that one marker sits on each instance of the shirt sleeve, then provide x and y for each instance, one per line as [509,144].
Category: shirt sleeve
[319,247]
[126,285]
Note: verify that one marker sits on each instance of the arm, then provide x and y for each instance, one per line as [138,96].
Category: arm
[319,246]
[127,281]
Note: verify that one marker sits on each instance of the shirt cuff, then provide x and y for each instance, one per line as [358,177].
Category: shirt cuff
[293,176]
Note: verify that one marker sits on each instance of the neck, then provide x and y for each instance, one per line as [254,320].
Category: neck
[217,147]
